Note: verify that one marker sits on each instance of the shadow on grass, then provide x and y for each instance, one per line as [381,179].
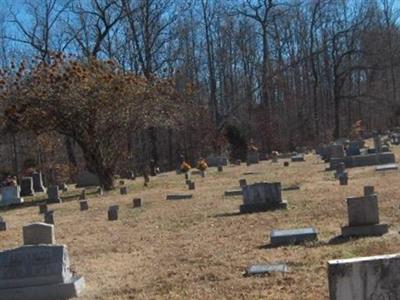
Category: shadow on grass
[337,240]
[231,214]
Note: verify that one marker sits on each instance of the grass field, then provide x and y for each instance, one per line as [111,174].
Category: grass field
[198,249]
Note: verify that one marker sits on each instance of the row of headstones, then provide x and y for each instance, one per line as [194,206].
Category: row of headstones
[39,269]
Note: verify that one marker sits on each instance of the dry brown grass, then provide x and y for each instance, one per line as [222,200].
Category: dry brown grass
[198,249]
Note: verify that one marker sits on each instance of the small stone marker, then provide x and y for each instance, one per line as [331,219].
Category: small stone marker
[238,162]
[27,187]
[220,168]
[38,182]
[362,278]
[3,225]
[340,169]
[387,167]
[179,197]
[38,272]
[369,190]
[242,182]
[191,185]
[113,212]
[38,233]
[343,178]
[42,208]
[229,193]
[292,236]
[100,191]
[83,205]
[291,188]
[137,202]
[203,174]
[286,164]
[53,194]
[121,182]
[123,190]
[49,217]
[363,215]
[82,195]
[260,270]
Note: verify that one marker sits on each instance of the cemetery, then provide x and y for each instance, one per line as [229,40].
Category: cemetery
[240,225]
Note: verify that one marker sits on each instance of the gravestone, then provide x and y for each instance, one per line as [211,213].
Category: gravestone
[179,197]
[253,157]
[377,143]
[387,167]
[49,217]
[83,205]
[191,185]
[340,169]
[85,179]
[365,278]
[363,215]
[343,178]
[260,270]
[274,156]
[11,195]
[53,194]
[38,233]
[82,196]
[113,212]
[335,151]
[233,193]
[123,190]
[38,272]
[353,148]
[38,182]
[137,202]
[262,196]
[100,191]
[3,225]
[297,157]
[27,187]
[292,236]
[369,190]
[364,160]
[286,164]
[220,168]
[242,182]
[121,182]
[42,208]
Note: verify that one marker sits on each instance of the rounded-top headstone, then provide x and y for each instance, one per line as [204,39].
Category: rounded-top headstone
[38,233]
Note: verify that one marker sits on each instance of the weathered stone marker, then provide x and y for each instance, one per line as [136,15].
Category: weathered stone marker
[137,202]
[242,182]
[83,205]
[343,178]
[123,190]
[260,270]
[3,225]
[38,272]
[11,195]
[27,187]
[121,182]
[53,194]
[262,196]
[340,169]
[292,236]
[113,212]
[253,157]
[369,190]
[42,208]
[220,168]
[365,278]
[297,158]
[38,186]
[191,185]
[100,191]
[179,197]
[82,196]
[38,233]
[286,164]
[363,215]
[49,217]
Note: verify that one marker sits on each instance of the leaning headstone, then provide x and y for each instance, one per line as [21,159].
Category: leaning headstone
[11,195]
[38,186]
[3,225]
[38,272]
[53,194]
[38,233]
[292,236]
[137,202]
[262,196]
[365,278]
[260,270]
[27,187]
[123,190]
[179,197]
[49,217]
[83,205]
[363,215]
[113,213]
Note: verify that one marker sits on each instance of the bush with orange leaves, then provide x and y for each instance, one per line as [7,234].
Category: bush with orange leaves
[94,103]
[185,167]
[202,164]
